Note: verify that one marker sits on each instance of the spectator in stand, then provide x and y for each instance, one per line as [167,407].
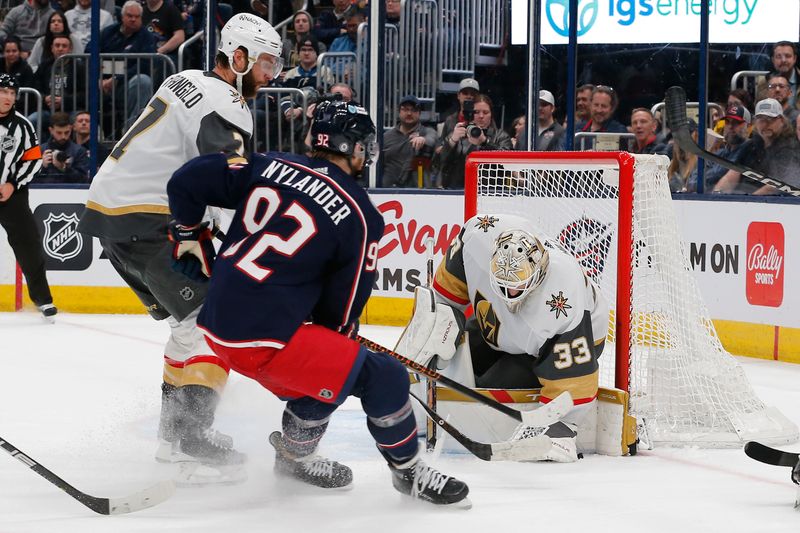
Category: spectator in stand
[479,135]
[63,161]
[683,165]
[63,87]
[14,65]
[643,126]
[778,88]
[583,103]
[305,74]
[128,37]
[281,9]
[468,91]
[393,11]
[331,24]
[302,24]
[784,61]
[601,112]
[79,19]
[163,20]
[41,51]
[28,22]
[737,123]
[550,134]
[81,133]
[408,147]
[193,15]
[740,97]
[348,42]
[773,150]
[515,131]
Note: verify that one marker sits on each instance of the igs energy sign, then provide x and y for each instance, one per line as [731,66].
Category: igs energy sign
[661,21]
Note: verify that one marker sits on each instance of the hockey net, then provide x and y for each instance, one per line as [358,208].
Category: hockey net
[613,212]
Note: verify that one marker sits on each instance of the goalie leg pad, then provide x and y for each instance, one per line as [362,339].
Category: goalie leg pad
[435,329]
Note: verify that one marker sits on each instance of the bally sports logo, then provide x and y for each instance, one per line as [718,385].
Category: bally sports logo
[765,266]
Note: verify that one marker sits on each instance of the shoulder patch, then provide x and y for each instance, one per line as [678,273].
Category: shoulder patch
[558,304]
[485,222]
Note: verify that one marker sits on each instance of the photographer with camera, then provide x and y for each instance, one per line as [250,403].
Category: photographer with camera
[63,160]
[408,147]
[477,132]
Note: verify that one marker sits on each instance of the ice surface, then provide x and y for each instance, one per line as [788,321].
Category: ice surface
[82,397]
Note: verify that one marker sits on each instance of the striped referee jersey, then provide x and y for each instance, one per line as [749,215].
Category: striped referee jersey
[20,153]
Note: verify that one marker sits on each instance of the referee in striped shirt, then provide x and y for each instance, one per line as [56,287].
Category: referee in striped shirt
[20,161]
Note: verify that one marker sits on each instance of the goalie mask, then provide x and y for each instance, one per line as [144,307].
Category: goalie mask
[518,265]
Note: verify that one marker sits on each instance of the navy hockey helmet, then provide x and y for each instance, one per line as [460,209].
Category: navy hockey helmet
[9,82]
[339,126]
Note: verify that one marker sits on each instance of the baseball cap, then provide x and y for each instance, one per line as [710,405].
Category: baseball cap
[547,96]
[469,83]
[410,99]
[309,40]
[738,113]
[769,107]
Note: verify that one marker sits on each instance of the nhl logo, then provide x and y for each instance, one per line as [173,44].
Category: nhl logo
[61,238]
[8,144]
[326,394]
[187,293]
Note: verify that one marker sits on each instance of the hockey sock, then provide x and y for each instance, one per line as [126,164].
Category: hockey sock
[304,423]
[382,386]
[198,404]
[170,412]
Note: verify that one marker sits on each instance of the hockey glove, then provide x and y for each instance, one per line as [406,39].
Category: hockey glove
[194,252]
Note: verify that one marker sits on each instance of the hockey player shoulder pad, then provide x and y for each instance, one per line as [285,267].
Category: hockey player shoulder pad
[435,329]
[194,251]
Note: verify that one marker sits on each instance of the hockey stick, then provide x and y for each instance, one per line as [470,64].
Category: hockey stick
[107,506]
[677,121]
[430,385]
[771,456]
[556,409]
[526,449]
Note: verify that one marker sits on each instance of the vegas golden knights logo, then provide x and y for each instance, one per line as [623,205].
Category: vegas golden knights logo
[487,319]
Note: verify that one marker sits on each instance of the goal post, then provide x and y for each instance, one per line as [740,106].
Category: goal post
[613,212]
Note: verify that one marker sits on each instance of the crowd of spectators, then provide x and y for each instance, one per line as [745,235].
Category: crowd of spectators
[760,129]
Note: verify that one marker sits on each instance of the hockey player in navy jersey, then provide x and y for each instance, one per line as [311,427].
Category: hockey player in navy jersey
[288,286]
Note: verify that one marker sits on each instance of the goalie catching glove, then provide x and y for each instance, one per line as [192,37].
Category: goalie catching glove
[435,329]
[194,251]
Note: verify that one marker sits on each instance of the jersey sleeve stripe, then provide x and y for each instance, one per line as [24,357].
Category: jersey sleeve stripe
[583,388]
[450,286]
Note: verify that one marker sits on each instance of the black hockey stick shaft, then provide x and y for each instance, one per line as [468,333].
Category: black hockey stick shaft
[478,449]
[98,505]
[444,380]
[430,385]
[678,122]
[771,456]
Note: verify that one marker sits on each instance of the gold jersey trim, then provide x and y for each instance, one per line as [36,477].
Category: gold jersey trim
[128,209]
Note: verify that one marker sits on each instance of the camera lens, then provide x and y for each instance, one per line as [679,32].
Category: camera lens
[474,131]
[60,156]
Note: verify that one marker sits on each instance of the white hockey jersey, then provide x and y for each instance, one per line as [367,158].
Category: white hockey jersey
[563,323]
[192,113]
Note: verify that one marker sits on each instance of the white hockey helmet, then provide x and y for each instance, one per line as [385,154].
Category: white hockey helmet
[518,265]
[254,34]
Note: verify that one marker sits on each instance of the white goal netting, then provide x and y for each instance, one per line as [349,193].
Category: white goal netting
[684,387]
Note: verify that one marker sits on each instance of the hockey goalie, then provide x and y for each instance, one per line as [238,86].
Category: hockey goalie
[538,322]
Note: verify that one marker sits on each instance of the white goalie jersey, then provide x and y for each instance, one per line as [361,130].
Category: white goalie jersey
[562,323]
[192,113]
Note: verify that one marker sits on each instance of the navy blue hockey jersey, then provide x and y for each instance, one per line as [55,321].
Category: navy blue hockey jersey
[303,245]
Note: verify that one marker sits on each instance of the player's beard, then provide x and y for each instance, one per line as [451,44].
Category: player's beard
[249,87]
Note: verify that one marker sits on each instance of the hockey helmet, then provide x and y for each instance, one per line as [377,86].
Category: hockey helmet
[8,81]
[518,266]
[339,126]
[254,34]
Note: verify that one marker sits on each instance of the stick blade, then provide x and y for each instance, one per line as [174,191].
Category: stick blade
[158,493]
[770,456]
[675,108]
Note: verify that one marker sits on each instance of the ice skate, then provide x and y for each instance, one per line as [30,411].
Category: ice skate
[49,312]
[418,480]
[207,457]
[311,469]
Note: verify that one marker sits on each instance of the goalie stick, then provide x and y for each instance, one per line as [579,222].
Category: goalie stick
[106,506]
[678,122]
[526,449]
[558,407]
[771,456]
[430,385]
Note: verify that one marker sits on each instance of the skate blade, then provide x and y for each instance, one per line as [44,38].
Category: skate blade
[193,474]
[461,505]
[299,483]
[49,319]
